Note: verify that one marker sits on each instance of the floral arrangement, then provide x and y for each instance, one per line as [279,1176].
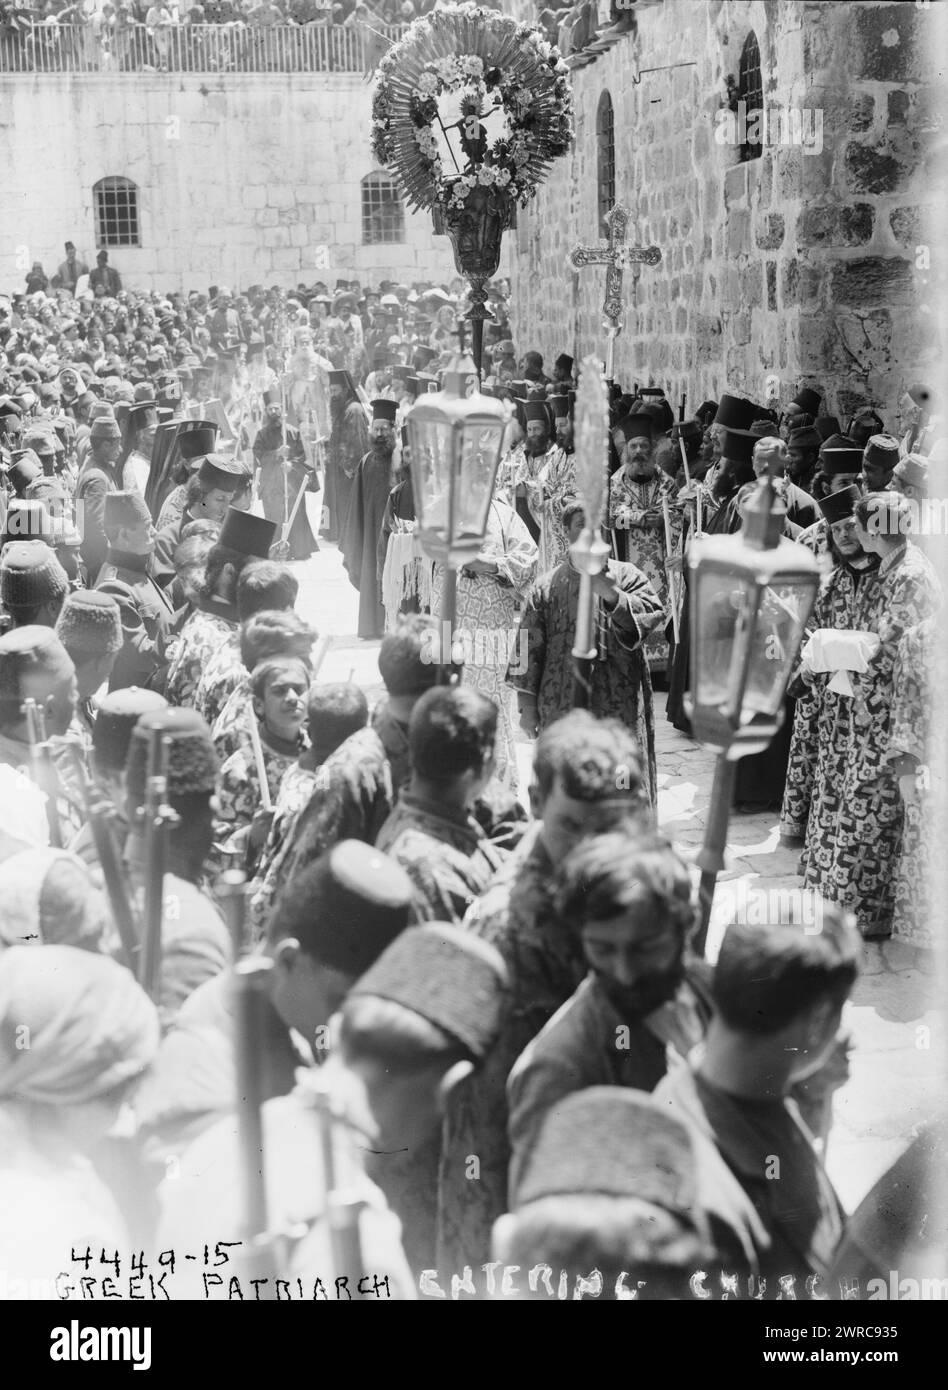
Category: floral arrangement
[512,89]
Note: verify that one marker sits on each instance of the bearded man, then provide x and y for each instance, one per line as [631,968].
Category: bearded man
[281,458]
[370,489]
[348,446]
[637,492]
[551,487]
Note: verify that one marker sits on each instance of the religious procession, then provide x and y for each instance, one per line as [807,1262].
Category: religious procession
[406,988]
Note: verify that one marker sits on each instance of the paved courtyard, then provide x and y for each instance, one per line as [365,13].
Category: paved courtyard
[896,1016]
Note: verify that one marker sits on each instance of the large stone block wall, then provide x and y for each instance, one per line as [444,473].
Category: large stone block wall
[241,178]
[799,265]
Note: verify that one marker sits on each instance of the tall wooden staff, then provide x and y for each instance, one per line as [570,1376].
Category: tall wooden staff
[589,551]
[99,810]
[44,773]
[159,818]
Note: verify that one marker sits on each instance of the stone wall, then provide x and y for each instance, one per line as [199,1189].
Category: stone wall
[242,178]
[796,266]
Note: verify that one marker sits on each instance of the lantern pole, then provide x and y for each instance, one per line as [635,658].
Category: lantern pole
[763,524]
[449,610]
[589,552]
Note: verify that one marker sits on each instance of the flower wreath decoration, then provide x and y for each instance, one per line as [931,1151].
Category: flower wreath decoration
[503,73]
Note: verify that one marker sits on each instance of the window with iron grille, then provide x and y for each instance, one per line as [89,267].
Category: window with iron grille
[750,90]
[606,147]
[383,217]
[116,213]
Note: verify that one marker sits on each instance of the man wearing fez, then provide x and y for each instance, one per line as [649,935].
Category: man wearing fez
[627,609]
[804,446]
[370,490]
[879,462]
[279,454]
[126,575]
[97,479]
[195,943]
[34,665]
[348,446]
[636,514]
[243,537]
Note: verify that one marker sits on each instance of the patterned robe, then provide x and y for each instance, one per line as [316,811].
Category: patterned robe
[545,963]
[855,826]
[202,635]
[620,682]
[348,446]
[916,737]
[549,481]
[296,787]
[220,678]
[238,791]
[229,730]
[644,546]
[487,611]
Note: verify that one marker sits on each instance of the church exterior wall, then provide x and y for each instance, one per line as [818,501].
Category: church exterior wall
[242,178]
[804,264]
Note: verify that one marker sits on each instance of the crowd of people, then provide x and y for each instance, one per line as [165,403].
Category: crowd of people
[465,1019]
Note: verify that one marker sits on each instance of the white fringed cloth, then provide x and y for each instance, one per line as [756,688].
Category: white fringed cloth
[406,574]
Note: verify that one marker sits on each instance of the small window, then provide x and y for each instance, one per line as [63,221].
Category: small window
[750,90]
[116,213]
[383,217]
[606,160]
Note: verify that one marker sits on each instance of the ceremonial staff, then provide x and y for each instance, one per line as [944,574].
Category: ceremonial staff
[589,551]
[616,256]
[343,1208]
[159,818]
[44,774]
[252,976]
[98,810]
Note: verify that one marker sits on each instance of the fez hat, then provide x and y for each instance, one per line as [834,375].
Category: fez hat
[762,429]
[105,427]
[124,509]
[22,473]
[116,717]
[194,443]
[218,471]
[31,575]
[913,471]
[836,506]
[446,975]
[32,650]
[808,400]
[26,519]
[883,450]
[90,624]
[738,445]
[246,533]
[192,759]
[384,410]
[735,413]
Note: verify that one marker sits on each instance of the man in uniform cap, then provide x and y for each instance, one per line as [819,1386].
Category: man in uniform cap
[359,544]
[348,445]
[127,575]
[243,537]
[331,923]
[117,713]
[612,1186]
[195,945]
[44,445]
[90,628]
[33,584]
[878,463]
[97,479]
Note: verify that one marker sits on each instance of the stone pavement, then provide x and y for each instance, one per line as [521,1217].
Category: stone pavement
[896,1016]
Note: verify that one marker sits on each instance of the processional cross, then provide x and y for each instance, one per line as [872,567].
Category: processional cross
[617,256]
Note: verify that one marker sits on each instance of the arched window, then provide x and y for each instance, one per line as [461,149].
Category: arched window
[606,157]
[383,217]
[116,212]
[750,90]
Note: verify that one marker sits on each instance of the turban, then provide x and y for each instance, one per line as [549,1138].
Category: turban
[91,1026]
[67,909]
[125,510]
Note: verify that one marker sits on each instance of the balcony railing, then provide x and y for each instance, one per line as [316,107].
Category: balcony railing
[199,48]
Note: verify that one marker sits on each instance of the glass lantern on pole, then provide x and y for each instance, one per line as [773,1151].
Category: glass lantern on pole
[456,436]
[752,595]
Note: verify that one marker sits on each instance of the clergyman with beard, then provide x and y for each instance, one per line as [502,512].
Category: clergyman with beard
[279,453]
[628,897]
[348,442]
[370,490]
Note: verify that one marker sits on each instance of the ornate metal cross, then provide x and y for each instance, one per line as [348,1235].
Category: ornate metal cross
[617,257]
